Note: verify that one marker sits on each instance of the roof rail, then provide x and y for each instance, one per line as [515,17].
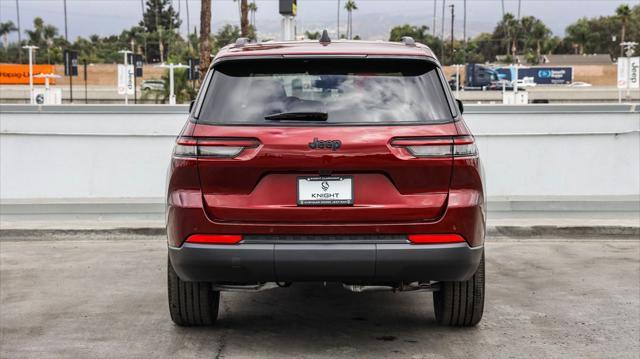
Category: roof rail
[408,41]
[241,41]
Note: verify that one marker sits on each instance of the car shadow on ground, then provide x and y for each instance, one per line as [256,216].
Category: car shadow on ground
[311,318]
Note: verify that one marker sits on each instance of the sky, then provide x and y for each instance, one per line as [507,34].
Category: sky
[373,19]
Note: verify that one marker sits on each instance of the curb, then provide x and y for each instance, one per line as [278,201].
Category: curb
[618,232]
[82,234]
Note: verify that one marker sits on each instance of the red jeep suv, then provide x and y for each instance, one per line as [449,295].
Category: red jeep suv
[309,161]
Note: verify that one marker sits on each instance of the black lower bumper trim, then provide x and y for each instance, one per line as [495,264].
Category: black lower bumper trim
[346,262]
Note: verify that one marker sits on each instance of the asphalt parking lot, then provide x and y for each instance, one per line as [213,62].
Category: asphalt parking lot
[106,297]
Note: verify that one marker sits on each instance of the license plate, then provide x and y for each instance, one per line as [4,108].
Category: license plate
[325,191]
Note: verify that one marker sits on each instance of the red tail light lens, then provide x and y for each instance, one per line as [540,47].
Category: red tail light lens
[214,238]
[435,238]
[212,147]
[438,147]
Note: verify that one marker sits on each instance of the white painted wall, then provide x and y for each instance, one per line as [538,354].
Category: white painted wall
[109,153]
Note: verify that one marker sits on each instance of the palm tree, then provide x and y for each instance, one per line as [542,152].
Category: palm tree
[539,34]
[624,13]
[244,18]
[533,35]
[35,35]
[243,10]
[49,33]
[350,5]
[253,8]
[578,34]
[507,31]
[205,33]
[5,29]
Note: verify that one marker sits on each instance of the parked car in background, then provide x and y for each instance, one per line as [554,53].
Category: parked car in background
[525,82]
[152,85]
[345,161]
[579,84]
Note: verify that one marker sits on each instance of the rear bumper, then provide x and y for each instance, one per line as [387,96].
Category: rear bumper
[464,215]
[345,262]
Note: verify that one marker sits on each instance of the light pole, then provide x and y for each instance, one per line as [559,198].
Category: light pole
[452,6]
[66,32]
[464,23]
[171,67]
[338,29]
[435,10]
[442,32]
[31,49]
[189,27]
[126,68]
[19,29]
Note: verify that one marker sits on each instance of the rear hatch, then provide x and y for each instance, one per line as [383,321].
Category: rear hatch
[325,141]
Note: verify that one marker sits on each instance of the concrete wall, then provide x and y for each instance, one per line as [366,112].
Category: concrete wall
[576,157]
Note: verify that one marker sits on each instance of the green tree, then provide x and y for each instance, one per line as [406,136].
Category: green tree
[253,8]
[471,51]
[312,35]
[604,34]
[228,34]
[5,29]
[623,12]
[159,22]
[418,33]
[183,90]
[350,6]
[45,36]
[49,34]
[534,35]
[578,35]
[484,48]
[35,36]
[135,39]
[507,32]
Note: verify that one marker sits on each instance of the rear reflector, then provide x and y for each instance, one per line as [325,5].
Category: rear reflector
[435,238]
[214,238]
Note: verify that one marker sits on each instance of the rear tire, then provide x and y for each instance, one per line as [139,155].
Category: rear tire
[191,303]
[461,304]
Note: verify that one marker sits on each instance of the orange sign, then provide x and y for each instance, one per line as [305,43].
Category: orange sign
[18,74]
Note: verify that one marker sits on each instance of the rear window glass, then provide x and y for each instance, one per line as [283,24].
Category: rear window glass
[347,91]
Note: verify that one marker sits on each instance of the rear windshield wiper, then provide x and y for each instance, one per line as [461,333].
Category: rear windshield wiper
[298,116]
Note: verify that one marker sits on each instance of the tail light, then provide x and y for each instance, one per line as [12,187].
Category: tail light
[212,147]
[435,238]
[438,147]
[214,238]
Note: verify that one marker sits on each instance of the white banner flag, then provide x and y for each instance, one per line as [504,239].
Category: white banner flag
[634,72]
[623,72]
[125,79]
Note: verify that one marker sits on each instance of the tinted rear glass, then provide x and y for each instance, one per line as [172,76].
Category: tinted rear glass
[348,90]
